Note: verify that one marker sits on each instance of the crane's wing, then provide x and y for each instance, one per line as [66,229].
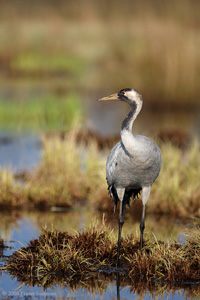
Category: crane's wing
[112,162]
[115,158]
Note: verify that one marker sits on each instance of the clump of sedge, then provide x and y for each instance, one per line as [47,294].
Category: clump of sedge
[94,250]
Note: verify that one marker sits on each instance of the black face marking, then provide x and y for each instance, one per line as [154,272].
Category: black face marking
[122,97]
[121,94]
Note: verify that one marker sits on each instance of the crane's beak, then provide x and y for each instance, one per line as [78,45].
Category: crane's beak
[113,97]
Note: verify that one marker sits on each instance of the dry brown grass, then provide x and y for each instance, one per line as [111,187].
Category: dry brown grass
[58,181]
[10,192]
[55,255]
[177,189]
[71,172]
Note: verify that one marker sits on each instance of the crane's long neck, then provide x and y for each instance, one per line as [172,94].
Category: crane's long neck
[126,128]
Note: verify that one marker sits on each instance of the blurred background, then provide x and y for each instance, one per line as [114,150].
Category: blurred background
[58,57]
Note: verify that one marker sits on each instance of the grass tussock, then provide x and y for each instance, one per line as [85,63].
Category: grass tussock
[177,189]
[11,193]
[59,180]
[52,183]
[59,254]
[71,172]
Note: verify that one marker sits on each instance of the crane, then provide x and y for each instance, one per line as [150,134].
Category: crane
[133,164]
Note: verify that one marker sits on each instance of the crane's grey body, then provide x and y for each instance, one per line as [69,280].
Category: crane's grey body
[133,164]
[142,167]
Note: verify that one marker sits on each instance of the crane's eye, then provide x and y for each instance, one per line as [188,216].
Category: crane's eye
[123,93]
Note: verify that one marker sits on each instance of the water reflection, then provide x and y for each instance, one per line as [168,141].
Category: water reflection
[25,225]
[97,287]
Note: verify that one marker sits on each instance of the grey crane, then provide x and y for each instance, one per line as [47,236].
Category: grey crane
[133,164]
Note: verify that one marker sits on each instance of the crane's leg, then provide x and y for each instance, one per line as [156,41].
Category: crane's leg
[120,193]
[142,226]
[145,196]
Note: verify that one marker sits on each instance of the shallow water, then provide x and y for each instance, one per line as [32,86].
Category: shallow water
[19,151]
[22,152]
[18,228]
[10,289]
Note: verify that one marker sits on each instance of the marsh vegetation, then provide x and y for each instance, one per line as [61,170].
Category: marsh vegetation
[73,173]
[87,255]
[56,59]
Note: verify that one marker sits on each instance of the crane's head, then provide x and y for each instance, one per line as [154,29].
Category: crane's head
[128,95]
